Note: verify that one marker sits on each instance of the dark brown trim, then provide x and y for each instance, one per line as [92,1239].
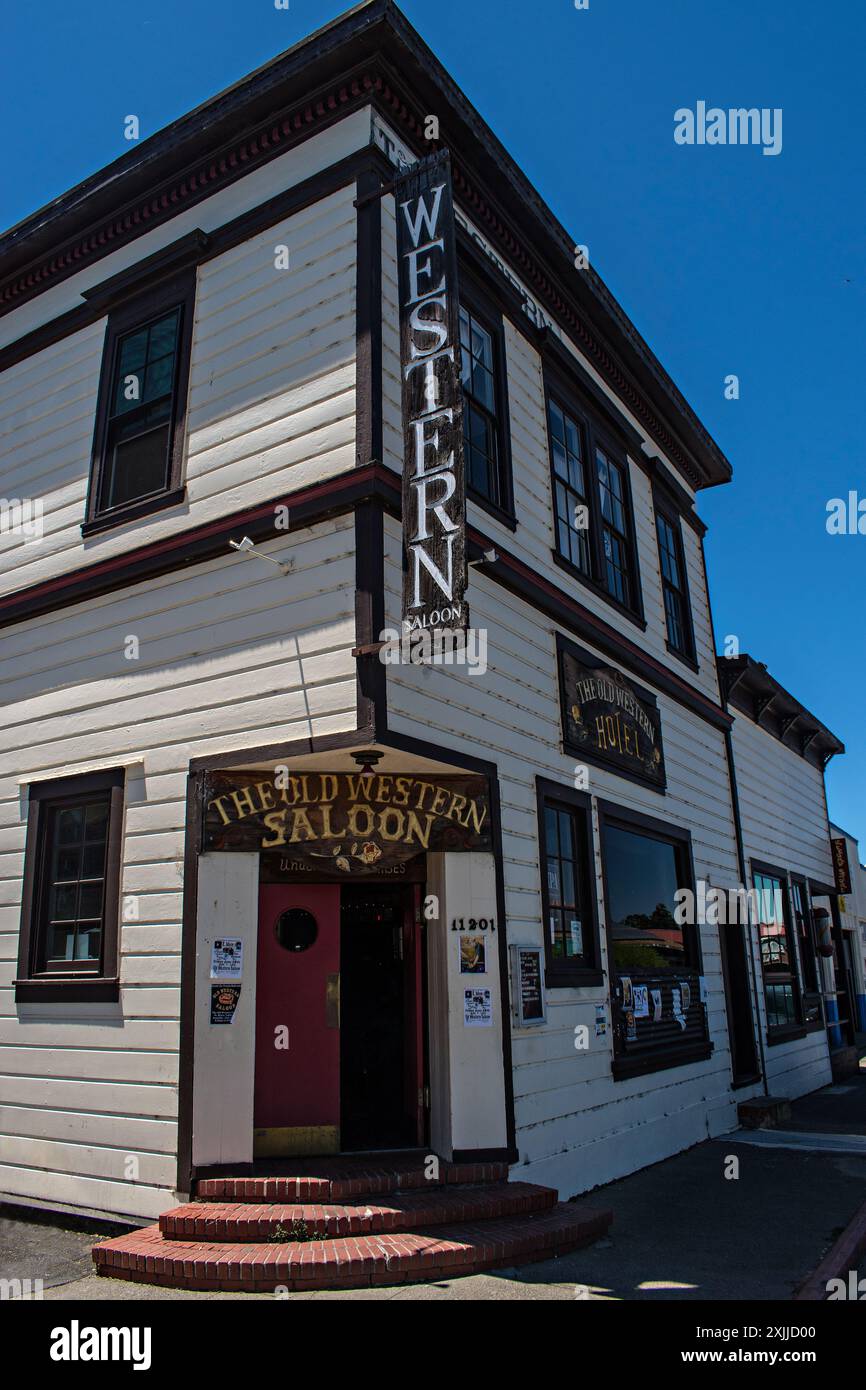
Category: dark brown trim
[142,277]
[332,497]
[213,243]
[625,1067]
[485,1156]
[751,998]
[556,974]
[776,1036]
[186,1062]
[176,292]
[371,676]
[101,981]
[368,320]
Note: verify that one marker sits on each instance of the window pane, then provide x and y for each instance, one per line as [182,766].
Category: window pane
[72,899]
[139,466]
[642,880]
[567,939]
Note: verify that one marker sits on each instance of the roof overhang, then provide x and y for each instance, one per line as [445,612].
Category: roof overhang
[748,686]
[371,55]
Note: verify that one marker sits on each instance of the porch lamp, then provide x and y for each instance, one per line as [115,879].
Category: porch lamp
[367,762]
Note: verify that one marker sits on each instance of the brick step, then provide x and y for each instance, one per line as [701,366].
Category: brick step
[403,1211]
[332,1180]
[389,1258]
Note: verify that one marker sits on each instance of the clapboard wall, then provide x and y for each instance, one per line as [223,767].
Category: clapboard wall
[271,401]
[784,822]
[231,653]
[534,539]
[576,1127]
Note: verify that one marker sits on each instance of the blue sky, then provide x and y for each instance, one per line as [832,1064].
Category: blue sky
[727,261]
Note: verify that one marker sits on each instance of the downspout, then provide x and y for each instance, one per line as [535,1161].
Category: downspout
[741,857]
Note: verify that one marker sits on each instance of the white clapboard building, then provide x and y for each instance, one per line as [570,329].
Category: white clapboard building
[285,870]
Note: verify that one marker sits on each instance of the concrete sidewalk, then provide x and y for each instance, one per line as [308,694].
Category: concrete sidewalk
[682,1230]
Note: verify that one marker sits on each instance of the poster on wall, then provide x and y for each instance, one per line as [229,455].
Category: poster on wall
[473,955]
[434,490]
[640,994]
[227,959]
[223,1002]
[477,1008]
[527,977]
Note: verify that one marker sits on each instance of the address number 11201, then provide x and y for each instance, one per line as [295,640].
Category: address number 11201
[473,924]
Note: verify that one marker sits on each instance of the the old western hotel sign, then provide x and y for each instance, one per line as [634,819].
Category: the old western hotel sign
[606,719]
[345,822]
[434,501]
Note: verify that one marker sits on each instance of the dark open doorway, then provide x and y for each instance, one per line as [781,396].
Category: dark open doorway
[380,1004]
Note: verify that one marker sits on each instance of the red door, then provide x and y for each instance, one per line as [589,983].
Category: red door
[297,1077]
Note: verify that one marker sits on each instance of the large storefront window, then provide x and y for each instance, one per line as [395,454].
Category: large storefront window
[778,954]
[657,998]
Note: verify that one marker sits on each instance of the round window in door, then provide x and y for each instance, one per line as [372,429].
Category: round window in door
[296,929]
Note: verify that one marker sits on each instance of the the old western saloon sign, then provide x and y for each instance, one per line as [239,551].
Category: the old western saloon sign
[345,823]
[608,720]
[434,502]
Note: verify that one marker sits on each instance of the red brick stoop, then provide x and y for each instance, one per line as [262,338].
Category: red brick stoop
[361,1222]
[401,1211]
[360,1261]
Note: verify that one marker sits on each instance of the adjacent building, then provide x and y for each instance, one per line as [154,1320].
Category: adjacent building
[278,879]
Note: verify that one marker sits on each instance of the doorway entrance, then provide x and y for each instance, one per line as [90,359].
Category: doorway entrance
[339,1019]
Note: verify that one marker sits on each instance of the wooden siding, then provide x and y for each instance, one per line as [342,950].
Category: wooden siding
[271,396]
[784,819]
[534,539]
[576,1127]
[231,653]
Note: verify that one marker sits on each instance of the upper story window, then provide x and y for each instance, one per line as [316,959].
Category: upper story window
[592,507]
[614,533]
[139,434]
[69,915]
[571,497]
[485,415]
[675,590]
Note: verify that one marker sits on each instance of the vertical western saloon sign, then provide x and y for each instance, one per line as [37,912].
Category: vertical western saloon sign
[434,502]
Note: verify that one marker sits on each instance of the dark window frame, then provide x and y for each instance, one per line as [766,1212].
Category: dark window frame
[93,981]
[560,974]
[787,1032]
[596,435]
[133,313]
[808,952]
[687,1052]
[483,308]
[672,517]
